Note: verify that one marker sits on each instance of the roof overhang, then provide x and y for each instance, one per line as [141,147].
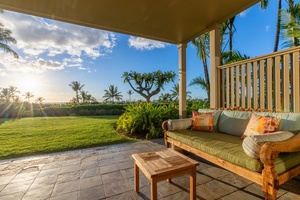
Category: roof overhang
[172,21]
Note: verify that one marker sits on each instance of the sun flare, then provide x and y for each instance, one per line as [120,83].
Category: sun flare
[30,83]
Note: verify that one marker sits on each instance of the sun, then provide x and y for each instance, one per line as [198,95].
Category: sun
[29,82]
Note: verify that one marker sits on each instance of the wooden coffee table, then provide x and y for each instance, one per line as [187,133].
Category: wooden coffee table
[162,165]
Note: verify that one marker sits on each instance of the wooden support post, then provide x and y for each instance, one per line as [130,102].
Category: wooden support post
[215,58]
[182,79]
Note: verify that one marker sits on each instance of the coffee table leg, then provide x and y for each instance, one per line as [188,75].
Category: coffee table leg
[193,184]
[136,178]
[153,188]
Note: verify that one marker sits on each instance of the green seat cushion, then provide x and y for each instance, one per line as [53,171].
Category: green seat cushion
[224,146]
[229,148]
[286,161]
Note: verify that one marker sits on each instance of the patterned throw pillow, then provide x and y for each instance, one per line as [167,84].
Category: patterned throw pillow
[261,125]
[253,143]
[202,121]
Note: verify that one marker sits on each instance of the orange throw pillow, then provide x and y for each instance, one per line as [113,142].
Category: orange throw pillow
[202,121]
[261,125]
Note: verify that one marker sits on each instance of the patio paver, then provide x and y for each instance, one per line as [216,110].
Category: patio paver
[107,173]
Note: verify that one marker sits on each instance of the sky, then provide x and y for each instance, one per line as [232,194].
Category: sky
[52,54]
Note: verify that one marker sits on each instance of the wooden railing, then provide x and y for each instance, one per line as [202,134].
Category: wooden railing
[269,82]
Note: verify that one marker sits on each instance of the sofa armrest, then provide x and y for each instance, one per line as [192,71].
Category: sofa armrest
[175,124]
[271,150]
[165,125]
[179,124]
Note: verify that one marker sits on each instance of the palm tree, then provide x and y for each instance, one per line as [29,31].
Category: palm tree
[263,5]
[291,25]
[130,92]
[86,97]
[165,97]
[201,82]
[277,26]
[5,39]
[73,100]
[39,100]
[228,25]
[13,90]
[175,92]
[83,95]
[112,93]
[76,86]
[202,45]
[232,56]
[4,94]
[90,99]
[28,95]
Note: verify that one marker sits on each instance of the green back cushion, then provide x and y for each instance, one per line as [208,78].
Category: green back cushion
[233,122]
[290,122]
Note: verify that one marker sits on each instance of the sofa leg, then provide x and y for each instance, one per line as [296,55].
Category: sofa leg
[167,144]
[270,184]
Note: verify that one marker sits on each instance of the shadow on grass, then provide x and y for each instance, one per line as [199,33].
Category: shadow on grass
[3,120]
[46,148]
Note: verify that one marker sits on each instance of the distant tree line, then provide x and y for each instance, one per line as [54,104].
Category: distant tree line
[10,95]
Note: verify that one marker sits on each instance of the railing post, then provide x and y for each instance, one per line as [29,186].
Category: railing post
[182,79]
[215,58]
[266,82]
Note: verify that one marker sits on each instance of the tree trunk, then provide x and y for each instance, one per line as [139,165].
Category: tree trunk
[76,93]
[231,26]
[148,99]
[277,27]
[206,75]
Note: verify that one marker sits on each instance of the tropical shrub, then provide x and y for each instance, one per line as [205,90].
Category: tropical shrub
[195,105]
[145,118]
[70,110]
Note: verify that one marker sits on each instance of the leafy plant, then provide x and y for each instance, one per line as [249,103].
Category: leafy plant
[195,105]
[144,118]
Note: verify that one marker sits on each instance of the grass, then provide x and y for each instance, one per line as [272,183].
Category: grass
[30,136]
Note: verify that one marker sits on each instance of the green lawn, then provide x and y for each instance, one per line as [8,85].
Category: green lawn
[28,136]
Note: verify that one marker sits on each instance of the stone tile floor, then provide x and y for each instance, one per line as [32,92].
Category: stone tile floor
[107,173]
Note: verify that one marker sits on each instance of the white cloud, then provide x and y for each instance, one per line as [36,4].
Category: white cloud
[267,28]
[73,62]
[37,37]
[83,68]
[48,64]
[145,44]
[38,65]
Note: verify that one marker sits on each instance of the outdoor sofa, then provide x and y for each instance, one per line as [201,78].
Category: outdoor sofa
[275,162]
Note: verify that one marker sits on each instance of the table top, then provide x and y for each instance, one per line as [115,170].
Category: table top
[163,161]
